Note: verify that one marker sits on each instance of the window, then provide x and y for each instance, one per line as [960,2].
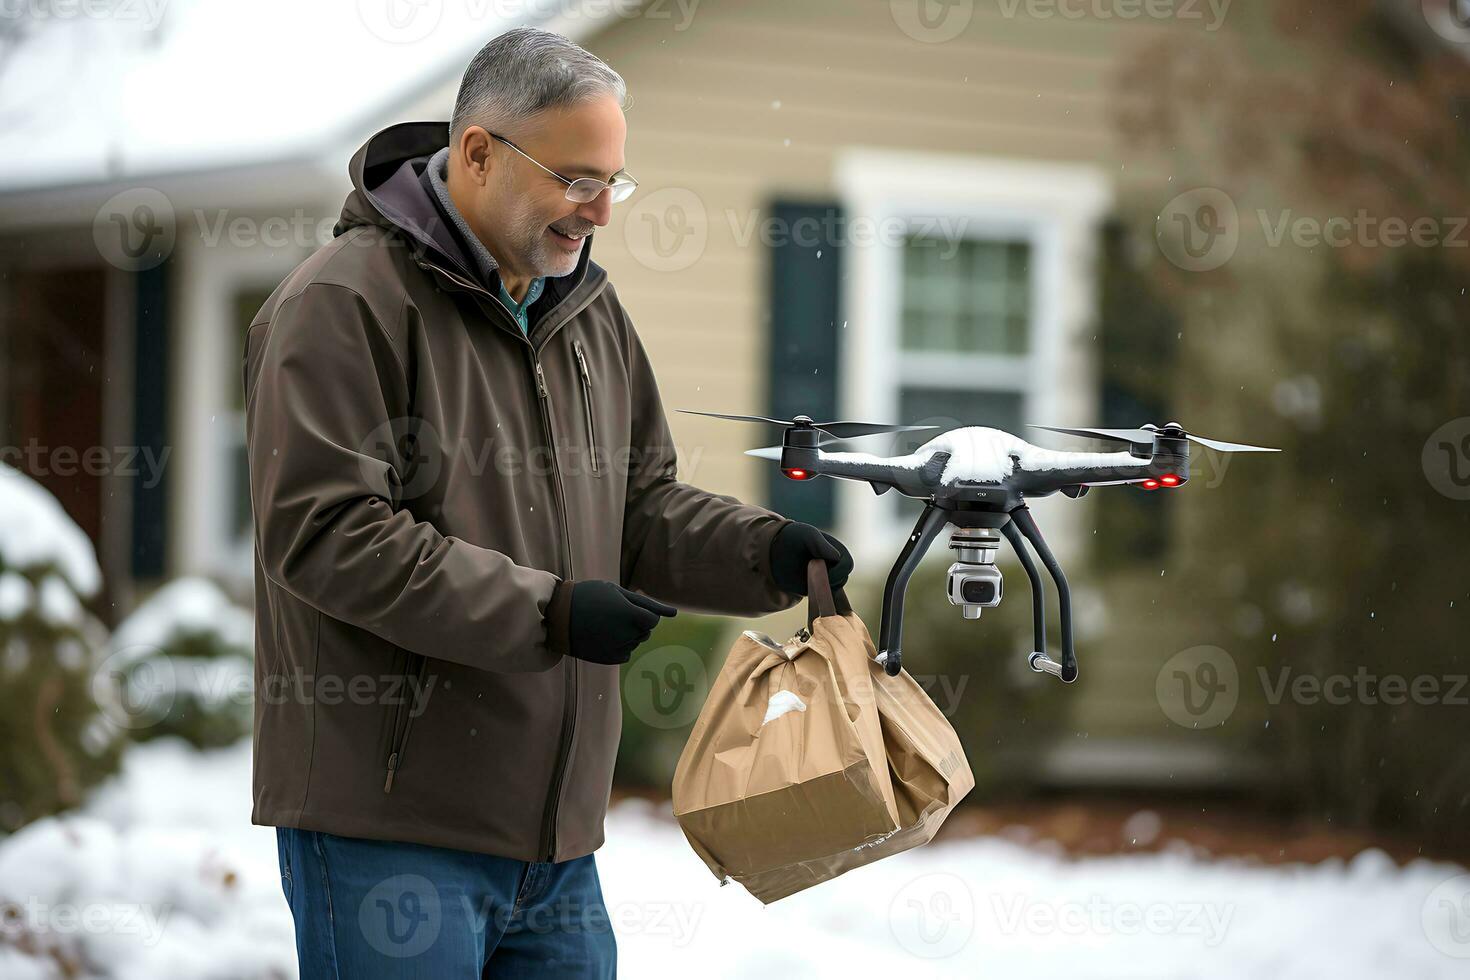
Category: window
[966,297]
[964,332]
[969,299]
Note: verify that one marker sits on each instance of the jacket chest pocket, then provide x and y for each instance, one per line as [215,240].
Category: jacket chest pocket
[584,375]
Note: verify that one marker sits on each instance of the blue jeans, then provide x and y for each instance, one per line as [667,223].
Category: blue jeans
[378,909]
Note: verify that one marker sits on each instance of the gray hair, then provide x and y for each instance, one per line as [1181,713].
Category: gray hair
[525,71]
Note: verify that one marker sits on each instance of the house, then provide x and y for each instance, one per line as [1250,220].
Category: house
[890,211]
[845,211]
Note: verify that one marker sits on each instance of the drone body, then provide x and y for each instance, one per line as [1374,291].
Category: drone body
[979,463]
[978,479]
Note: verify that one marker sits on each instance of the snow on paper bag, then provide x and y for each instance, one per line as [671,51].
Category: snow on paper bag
[807,760]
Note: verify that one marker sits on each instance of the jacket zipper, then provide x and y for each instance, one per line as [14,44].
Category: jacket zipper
[399,742]
[569,712]
[561,500]
[587,403]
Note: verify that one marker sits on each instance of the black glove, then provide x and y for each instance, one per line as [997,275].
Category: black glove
[795,545]
[607,621]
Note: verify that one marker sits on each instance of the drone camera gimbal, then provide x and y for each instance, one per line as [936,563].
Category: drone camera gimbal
[973,582]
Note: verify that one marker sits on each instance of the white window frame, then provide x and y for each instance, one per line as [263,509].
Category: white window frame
[236,558]
[1058,210]
[207,426]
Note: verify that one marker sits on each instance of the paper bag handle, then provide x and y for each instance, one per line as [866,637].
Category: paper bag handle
[822,599]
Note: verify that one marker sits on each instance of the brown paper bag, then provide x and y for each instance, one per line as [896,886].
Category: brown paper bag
[807,760]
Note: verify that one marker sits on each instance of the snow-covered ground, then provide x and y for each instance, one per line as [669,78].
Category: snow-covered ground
[163,876]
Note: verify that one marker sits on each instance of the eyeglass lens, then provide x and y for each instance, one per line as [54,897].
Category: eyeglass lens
[586,189]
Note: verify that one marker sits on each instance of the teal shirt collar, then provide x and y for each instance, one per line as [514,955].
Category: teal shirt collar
[518,310]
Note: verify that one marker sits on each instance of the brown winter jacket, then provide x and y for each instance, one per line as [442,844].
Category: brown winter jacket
[426,482]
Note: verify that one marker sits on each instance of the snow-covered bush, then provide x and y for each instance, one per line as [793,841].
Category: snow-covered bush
[54,740]
[185,657]
[158,876]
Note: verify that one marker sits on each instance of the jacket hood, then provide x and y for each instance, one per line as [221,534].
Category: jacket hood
[389,191]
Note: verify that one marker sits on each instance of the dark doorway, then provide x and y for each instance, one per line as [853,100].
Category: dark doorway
[53,339]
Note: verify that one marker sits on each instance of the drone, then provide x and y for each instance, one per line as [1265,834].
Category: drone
[978,479]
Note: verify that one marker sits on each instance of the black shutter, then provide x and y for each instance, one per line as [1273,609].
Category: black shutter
[150,419]
[1139,338]
[806,331]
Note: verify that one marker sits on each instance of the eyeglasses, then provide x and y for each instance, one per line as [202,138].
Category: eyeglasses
[584,190]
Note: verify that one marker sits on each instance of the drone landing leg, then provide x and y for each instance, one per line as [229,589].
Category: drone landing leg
[1038,591]
[890,633]
[1067,669]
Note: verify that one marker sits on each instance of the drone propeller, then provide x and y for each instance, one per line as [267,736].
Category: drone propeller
[837,430]
[1145,436]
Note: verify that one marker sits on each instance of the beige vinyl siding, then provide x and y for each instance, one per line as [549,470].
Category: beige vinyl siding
[752,102]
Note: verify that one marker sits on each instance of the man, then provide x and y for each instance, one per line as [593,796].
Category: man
[467,518]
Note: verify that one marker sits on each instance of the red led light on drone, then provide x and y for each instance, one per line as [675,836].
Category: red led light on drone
[1150,484]
[1169,480]
[798,474]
